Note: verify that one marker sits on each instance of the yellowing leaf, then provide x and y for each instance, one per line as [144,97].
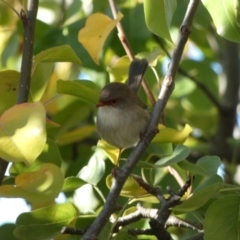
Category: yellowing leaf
[93,35]
[131,187]
[111,151]
[38,186]
[22,132]
[170,135]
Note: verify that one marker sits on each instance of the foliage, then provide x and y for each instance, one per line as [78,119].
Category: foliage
[51,140]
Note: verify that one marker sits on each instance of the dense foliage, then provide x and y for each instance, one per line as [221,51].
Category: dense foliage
[50,138]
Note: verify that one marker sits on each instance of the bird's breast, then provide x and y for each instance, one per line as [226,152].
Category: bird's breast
[121,128]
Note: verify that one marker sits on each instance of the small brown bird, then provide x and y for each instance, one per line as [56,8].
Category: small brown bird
[122,117]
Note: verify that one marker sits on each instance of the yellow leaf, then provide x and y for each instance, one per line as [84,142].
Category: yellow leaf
[132,189]
[22,132]
[170,135]
[93,35]
[111,151]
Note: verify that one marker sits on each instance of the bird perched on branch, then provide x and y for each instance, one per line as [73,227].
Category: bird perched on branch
[122,117]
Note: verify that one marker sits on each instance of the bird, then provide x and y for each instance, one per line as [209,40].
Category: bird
[122,117]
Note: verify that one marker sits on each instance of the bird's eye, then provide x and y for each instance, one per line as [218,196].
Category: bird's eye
[113,101]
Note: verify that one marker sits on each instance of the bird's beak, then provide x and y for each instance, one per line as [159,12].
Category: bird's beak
[99,104]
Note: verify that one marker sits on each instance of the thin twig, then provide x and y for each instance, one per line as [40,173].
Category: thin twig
[127,47]
[14,10]
[166,90]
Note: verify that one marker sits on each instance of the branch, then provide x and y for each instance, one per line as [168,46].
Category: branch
[166,90]
[123,38]
[28,21]
[14,10]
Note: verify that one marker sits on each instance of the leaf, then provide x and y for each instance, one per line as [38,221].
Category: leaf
[222,219]
[94,34]
[111,152]
[76,135]
[225,18]
[179,154]
[36,187]
[9,81]
[50,154]
[93,172]
[30,225]
[72,183]
[170,135]
[131,187]
[56,54]
[22,132]
[163,11]
[40,79]
[202,194]
[152,57]
[205,166]
[119,71]
[80,88]
[156,149]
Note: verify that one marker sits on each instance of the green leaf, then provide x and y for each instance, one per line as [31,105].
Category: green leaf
[119,72]
[7,229]
[179,154]
[37,187]
[40,79]
[153,56]
[93,172]
[50,154]
[72,183]
[156,149]
[202,194]
[84,89]
[158,16]
[57,54]
[76,134]
[44,223]
[22,132]
[222,219]
[225,17]
[69,117]
[205,166]
[9,81]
